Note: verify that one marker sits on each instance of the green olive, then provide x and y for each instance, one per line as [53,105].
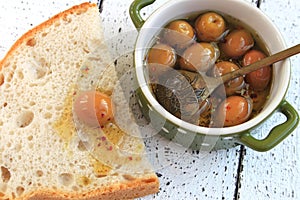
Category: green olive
[210,26]
[160,58]
[179,33]
[162,54]
[225,67]
[199,57]
[233,110]
[260,78]
[237,43]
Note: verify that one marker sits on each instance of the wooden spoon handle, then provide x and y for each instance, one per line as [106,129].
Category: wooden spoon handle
[262,63]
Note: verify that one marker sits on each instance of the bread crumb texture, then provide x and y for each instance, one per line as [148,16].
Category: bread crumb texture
[41,155]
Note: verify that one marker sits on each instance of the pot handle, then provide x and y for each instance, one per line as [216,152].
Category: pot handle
[134,11]
[277,134]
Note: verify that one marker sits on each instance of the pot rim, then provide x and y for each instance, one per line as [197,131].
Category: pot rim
[284,66]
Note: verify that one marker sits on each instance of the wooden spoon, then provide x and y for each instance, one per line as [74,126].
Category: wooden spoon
[213,82]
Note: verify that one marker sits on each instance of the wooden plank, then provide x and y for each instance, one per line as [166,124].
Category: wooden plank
[275,174]
[192,175]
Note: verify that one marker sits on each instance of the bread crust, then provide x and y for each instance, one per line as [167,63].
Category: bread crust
[127,190]
[124,190]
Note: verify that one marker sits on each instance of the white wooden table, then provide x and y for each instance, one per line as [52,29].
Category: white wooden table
[237,173]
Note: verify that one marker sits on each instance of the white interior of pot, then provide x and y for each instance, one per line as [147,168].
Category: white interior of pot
[238,9]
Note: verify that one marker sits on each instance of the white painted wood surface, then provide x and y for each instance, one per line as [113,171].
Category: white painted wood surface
[237,173]
[276,174]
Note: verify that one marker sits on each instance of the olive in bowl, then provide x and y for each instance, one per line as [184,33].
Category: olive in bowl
[179,34]
[210,26]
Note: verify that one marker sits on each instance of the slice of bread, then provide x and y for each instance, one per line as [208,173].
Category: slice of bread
[44,152]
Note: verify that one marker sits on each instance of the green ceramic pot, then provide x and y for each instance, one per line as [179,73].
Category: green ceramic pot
[202,138]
